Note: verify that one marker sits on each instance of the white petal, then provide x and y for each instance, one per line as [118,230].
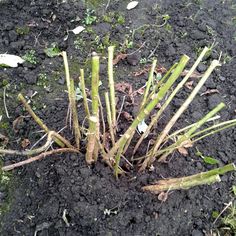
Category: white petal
[78,29]
[142,127]
[132,5]
[10,60]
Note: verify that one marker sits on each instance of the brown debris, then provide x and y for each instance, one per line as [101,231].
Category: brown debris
[127,116]
[163,196]
[124,88]
[17,123]
[189,85]
[25,143]
[210,91]
[119,58]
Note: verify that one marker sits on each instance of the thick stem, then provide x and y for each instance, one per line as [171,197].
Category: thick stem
[72,100]
[208,177]
[176,116]
[82,87]
[111,85]
[146,111]
[92,150]
[94,133]
[170,98]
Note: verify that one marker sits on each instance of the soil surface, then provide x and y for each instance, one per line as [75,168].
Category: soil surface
[61,195]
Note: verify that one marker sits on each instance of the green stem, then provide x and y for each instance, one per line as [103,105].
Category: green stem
[37,119]
[82,87]
[170,98]
[109,120]
[208,177]
[148,84]
[111,85]
[146,111]
[72,100]
[94,133]
[176,116]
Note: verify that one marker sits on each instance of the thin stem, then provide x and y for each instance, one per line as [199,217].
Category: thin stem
[148,84]
[36,118]
[176,116]
[82,87]
[146,111]
[111,85]
[39,157]
[72,100]
[108,107]
[170,98]
[51,135]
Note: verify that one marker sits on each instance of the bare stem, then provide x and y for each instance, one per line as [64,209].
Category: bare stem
[72,100]
[39,157]
[82,87]
[111,85]
[176,116]
[208,177]
[94,133]
[170,98]
[36,118]
[120,144]
[109,120]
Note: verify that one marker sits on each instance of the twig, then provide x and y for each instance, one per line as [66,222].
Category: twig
[225,208]
[39,157]
[121,108]
[36,118]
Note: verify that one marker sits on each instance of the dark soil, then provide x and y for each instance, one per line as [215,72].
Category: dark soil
[93,202]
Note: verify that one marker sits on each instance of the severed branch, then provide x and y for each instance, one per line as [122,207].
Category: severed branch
[51,135]
[39,157]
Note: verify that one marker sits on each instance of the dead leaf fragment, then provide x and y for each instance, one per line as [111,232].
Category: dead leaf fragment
[127,116]
[210,91]
[17,123]
[194,75]
[119,58]
[189,85]
[25,143]
[183,151]
[124,88]
[163,196]
[183,147]
[4,139]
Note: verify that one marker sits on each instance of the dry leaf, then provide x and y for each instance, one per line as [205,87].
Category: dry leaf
[25,143]
[210,91]
[4,139]
[119,57]
[17,123]
[124,88]
[194,75]
[127,116]
[132,5]
[163,196]
[189,85]
[183,151]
